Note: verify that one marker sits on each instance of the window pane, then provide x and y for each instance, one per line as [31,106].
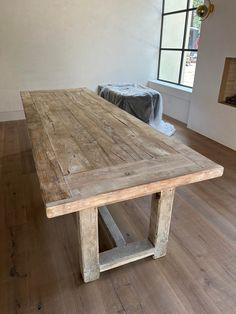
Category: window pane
[175,5]
[193,31]
[173,30]
[195,3]
[170,66]
[189,66]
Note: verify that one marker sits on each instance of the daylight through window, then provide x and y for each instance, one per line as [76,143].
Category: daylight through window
[180,33]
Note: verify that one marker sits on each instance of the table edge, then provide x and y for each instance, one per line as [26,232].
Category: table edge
[74,204]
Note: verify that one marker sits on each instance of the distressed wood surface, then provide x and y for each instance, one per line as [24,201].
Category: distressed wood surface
[39,256]
[87,221]
[79,140]
[160,218]
[123,255]
[111,227]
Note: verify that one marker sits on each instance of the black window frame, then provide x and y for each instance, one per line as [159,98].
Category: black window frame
[188,10]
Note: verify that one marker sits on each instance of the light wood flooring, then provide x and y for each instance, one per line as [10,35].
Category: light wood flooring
[39,270]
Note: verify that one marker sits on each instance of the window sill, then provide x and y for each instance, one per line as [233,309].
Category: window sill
[171,89]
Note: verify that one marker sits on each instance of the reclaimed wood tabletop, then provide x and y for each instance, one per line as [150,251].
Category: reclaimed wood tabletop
[90,153]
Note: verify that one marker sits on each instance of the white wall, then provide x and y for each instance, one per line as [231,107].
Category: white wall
[70,43]
[218,40]
[176,101]
[201,110]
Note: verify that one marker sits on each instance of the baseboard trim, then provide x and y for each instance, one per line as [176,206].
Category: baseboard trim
[12,115]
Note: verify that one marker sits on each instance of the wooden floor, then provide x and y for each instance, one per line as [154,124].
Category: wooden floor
[39,259]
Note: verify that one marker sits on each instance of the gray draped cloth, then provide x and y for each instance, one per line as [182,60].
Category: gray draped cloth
[140,101]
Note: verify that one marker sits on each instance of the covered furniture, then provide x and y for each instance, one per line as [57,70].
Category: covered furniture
[142,102]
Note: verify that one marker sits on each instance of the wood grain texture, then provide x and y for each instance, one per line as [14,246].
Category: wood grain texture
[87,221]
[160,218]
[111,227]
[123,255]
[79,139]
[39,270]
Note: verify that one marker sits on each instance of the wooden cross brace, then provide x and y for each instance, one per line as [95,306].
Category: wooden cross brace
[92,263]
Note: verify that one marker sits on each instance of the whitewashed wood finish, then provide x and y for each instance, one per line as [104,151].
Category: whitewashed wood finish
[111,227]
[79,139]
[89,153]
[196,276]
[123,255]
[160,218]
[88,243]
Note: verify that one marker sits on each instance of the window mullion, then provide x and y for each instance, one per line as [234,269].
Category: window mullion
[162,20]
[179,49]
[179,11]
[184,41]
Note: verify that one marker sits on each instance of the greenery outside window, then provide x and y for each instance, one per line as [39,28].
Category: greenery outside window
[180,33]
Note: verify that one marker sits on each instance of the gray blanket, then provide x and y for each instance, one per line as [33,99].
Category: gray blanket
[139,101]
[142,102]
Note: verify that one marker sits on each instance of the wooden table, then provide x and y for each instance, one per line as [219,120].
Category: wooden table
[89,153]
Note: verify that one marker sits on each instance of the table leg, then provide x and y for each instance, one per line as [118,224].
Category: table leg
[87,221]
[160,219]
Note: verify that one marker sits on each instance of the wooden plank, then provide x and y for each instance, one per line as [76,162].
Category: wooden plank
[68,153]
[160,218]
[88,244]
[137,144]
[150,135]
[113,195]
[111,227]
[51,179]
[72,133]
[107,137]
[128,174]
[123,255]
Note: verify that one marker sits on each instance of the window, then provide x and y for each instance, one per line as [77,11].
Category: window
[180,33]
